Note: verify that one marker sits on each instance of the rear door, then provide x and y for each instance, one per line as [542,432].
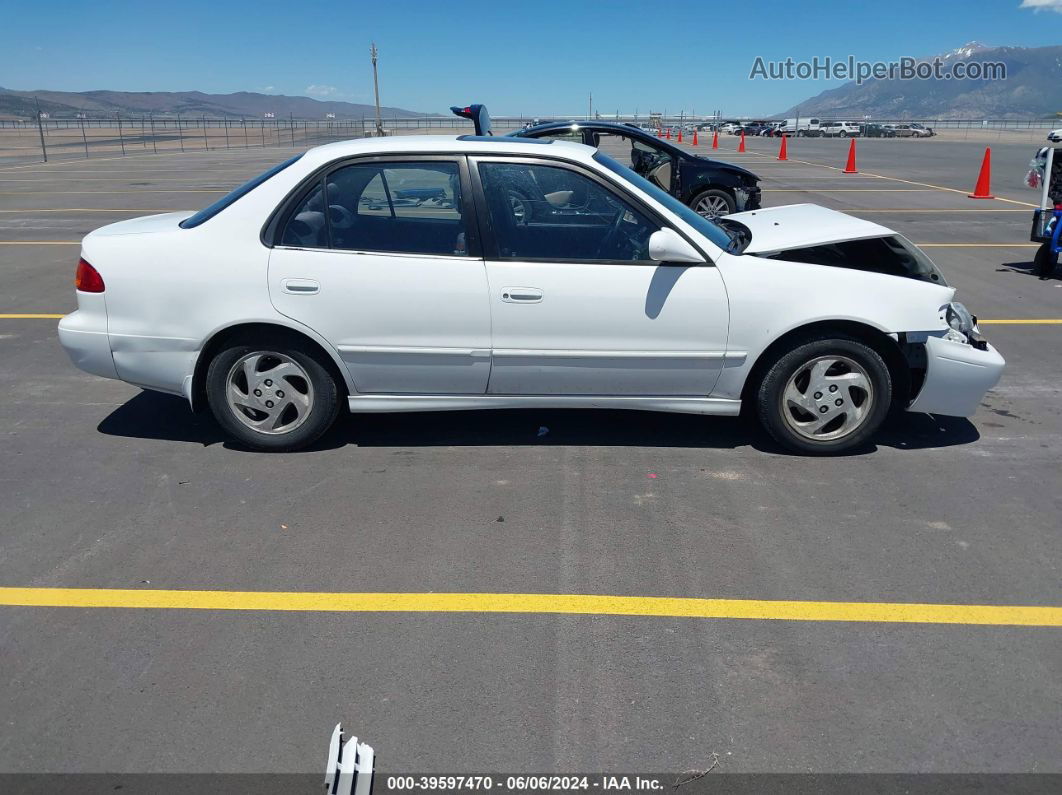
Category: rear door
[577,306]
[380,256]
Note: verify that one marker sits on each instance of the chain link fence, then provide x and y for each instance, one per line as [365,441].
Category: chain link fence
[46,138]
[61,139]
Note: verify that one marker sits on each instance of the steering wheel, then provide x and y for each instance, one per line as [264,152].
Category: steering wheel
[614,231]
[340,217]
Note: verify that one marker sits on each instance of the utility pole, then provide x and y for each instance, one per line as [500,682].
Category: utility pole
[376,88]
[590,107]
[40,128]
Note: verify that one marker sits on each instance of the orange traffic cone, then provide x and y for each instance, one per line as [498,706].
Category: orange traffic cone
[715,139]
[983,190]
[741,144]
[850,167]
[783,151]
[680,135]
[668,134]
[694,137]
[658,133]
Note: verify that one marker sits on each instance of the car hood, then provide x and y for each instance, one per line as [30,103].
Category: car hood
[801,225]
[718,165]
[149,223]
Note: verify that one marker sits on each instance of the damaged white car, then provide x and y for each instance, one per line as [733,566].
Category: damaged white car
[437,273]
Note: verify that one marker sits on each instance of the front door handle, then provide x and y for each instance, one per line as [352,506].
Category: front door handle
[300,286]
[521,295]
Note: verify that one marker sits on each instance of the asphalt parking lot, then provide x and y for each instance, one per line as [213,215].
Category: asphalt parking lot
[108,487]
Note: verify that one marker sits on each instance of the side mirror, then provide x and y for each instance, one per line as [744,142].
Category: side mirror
[667,245]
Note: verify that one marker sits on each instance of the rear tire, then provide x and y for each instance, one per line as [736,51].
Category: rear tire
[1045,261]
[272,394]
[824,396]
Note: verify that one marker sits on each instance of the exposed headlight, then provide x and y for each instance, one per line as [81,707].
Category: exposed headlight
[960,322]
[959,317]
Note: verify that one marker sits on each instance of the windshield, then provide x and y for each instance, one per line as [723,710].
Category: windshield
[710,230]
[209,212]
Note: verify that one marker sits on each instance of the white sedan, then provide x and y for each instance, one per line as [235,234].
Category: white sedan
[438,273]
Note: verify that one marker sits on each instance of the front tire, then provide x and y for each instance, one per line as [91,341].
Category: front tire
[272,395]
[713,203]
[824,396]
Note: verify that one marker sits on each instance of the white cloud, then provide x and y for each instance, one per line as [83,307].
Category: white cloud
[321,91]
[1043,5]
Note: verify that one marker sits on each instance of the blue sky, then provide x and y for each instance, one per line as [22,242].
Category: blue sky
[537,57]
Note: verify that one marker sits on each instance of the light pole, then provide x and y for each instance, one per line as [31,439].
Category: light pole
[376,89]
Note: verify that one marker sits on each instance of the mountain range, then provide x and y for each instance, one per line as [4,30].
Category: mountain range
[20,104]
[1032,90]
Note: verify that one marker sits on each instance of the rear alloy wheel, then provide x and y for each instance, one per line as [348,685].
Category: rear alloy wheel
[272,397]
[713,203]
[825,396]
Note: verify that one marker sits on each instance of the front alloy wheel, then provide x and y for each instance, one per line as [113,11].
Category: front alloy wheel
[825,395]
[827,398]
[713,204]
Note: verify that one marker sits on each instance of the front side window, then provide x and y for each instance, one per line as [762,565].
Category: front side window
[709,229]
[407,208]
[545,212]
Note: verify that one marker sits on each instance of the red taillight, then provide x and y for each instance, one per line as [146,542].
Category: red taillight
[88,279]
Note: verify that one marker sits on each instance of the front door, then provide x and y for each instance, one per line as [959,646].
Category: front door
[381,259]
[578,308]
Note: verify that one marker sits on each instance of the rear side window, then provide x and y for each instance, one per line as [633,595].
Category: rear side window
[209,212]
[402,208]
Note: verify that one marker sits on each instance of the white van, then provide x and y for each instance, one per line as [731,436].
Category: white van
[801,127]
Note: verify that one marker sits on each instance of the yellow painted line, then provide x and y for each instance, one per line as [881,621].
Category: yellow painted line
[932,210]
[1023,322]
[130,179]
[31,316]
[40,242]
[88,210]
[53,164]
[112,192]
[978,245]
[573,604]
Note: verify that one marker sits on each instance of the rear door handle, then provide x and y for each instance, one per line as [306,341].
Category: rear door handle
[300,286]
[521,295]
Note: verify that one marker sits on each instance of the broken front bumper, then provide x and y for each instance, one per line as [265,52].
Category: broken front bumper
[957,377]
[747,198]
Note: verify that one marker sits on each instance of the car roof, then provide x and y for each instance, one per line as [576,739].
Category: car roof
[444,144]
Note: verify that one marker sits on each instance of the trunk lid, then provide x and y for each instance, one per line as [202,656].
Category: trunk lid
[165,222]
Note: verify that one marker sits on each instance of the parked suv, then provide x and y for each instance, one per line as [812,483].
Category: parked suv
[839,129]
